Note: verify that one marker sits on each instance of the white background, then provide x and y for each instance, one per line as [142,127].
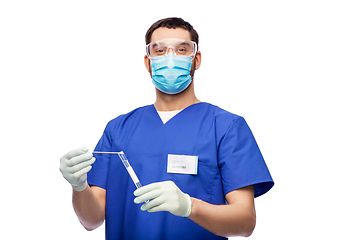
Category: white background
[291,68]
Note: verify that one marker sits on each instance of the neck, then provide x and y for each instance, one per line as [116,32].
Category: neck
[172,102]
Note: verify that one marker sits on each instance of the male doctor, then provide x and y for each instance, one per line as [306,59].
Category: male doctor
[199,165]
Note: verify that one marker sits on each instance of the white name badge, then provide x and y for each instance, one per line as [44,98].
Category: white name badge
[182,164]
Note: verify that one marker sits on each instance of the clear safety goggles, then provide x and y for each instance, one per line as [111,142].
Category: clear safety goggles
[178,46]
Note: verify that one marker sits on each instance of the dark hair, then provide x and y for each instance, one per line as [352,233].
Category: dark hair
[172,23]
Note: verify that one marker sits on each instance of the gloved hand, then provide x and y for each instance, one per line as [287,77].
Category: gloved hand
[166,196]
[75,165]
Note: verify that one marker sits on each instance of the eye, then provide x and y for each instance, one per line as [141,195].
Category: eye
[160,51]
[182,50]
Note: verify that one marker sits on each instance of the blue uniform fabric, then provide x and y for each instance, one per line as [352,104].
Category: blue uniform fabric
[228,155]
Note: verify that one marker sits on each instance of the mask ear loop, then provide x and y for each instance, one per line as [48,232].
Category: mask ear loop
[193,65]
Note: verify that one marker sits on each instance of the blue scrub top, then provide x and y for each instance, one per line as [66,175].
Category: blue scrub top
[229,159]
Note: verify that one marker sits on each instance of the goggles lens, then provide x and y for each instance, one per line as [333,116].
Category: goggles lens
[178,46]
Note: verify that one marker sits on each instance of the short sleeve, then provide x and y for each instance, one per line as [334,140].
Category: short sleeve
[99,171]
[240,160]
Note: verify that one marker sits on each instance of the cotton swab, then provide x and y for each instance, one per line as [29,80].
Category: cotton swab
[106,152]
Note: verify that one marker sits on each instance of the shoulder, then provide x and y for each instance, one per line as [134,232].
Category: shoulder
[121,119]
[226,123]
[218,112]
[224,119]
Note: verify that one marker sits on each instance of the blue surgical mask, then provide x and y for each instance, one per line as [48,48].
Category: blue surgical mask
[171,73]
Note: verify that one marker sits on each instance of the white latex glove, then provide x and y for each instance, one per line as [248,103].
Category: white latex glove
[164,196]
[75,165]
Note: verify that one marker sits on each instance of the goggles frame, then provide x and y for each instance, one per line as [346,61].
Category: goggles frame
[174,48]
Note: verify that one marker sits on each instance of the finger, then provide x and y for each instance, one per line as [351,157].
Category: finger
[155,205]
[147,188]
[83,171]
[159,208]
[74,153]
[79,159]
[81,165]
[148,196]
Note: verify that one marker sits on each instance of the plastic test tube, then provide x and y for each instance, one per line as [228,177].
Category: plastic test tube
[129,169]
[127,166]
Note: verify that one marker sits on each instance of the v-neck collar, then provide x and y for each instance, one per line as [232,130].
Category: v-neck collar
[174,117]
[149,132]
[168,115]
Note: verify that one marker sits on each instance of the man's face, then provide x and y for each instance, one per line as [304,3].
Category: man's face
[162,33]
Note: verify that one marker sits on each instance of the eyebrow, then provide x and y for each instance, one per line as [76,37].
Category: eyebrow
[154,45]
[185,43]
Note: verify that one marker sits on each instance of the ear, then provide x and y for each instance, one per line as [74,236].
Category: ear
[147,63]
[197,60]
